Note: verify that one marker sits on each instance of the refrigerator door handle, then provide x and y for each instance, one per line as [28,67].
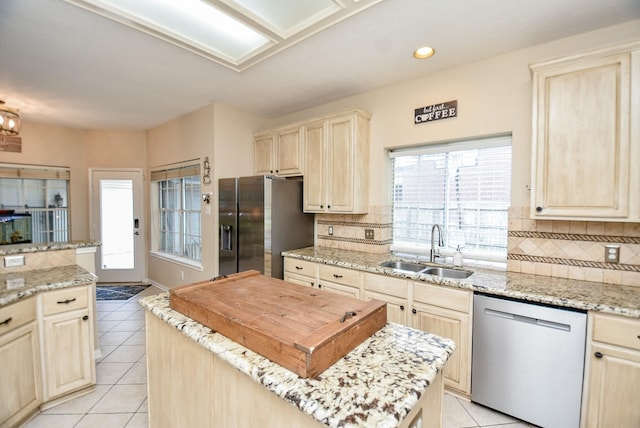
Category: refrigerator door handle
[225,237]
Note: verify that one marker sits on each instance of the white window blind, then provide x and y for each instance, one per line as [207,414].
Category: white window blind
[465,187]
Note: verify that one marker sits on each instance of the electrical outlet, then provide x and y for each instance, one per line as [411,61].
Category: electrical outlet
[330,230]
[13,261]
[368,234]
[612,253]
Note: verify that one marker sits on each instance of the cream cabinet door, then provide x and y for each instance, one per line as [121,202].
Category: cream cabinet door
[263,148]
[613,388]
[581,138]
[68,352]
[452,325]
[288,152]
[397,308]
[20,385]
[340,166]
[315,189]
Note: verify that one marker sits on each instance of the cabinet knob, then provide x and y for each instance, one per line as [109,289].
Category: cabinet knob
[277,171]
[321,206]
[7,321]
[66,302]
[319,285]
[402,307]
[413,311]
[328,207]
[86,317]
[539,209]
[598,355]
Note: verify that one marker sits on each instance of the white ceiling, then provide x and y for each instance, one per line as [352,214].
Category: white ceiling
[64,65]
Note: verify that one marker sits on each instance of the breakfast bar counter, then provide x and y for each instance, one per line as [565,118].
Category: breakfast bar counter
[200,378]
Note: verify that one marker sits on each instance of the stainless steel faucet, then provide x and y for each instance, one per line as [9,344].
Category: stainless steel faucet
[434,252]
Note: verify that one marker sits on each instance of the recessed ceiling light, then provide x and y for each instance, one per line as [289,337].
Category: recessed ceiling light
[424,52]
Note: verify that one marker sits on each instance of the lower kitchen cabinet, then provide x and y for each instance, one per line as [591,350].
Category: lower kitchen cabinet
[339,280]
[447,312]
[20,394]
[301,272]
[613,382]
[394,291]
[68,351]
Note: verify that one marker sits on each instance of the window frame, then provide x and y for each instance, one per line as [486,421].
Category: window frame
[178,179]
[420,245]
[53,215]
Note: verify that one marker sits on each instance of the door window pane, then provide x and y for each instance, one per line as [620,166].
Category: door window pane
[116,220]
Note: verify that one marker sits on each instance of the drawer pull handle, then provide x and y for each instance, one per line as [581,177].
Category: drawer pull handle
[335,275]
[66,302]
[86,317]
[598,355]
[299,268]
[6,322]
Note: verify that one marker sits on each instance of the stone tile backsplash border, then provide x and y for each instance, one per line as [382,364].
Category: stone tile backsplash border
[572,249]
[349,231]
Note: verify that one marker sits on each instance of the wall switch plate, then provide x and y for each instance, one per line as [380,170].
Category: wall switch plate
[612,253]
[330,230]
[13,261]
[368,234]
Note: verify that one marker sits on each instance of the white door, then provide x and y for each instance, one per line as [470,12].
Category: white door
[117,224]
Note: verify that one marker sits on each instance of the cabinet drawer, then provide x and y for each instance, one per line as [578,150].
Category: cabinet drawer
[450,298]
[386,284]
[340,275]
[17,314]
[300,267]
[68,299]
[616,330]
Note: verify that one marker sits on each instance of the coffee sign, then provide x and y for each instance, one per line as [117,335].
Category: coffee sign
[436,112]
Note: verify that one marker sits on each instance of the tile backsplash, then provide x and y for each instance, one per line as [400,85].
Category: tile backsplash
[573,249]
[349,230]
[564,249]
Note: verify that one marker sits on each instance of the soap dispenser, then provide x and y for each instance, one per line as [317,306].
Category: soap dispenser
[457,257]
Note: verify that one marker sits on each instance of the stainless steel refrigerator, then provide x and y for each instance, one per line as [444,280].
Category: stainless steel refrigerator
[260,217]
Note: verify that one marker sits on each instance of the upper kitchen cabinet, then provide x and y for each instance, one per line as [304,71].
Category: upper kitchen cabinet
[336,165]
[279,152]
[586,132]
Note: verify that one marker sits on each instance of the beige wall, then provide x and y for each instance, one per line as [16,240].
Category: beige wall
[224,135]
[494,97]
[63,147]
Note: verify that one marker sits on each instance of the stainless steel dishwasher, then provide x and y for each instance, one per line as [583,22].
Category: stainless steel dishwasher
[528,360]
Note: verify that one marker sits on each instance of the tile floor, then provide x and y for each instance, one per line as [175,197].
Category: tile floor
[120,397]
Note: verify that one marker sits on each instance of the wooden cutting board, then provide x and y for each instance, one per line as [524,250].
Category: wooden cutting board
[303,329]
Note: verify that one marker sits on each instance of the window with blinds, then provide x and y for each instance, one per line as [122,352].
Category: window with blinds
[43,192]
[176,219]
[464,187]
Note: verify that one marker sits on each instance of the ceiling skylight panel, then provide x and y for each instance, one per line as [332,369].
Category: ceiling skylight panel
[193,22]
[286,17]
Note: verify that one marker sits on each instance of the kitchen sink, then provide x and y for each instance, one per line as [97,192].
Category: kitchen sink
[447,273]
[406,266]
[429,270]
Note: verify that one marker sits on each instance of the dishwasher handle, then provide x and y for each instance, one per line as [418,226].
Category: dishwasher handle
[528,320]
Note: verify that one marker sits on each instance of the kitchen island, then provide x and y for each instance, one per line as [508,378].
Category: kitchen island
[199,378]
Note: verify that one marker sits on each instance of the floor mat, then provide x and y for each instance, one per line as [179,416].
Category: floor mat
[118,292]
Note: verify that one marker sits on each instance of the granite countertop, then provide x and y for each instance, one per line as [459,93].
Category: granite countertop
[6,250]
[20,285]
[376,384]
[583,295]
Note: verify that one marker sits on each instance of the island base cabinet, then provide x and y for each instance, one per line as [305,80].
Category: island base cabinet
[20,386]
[190,386]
